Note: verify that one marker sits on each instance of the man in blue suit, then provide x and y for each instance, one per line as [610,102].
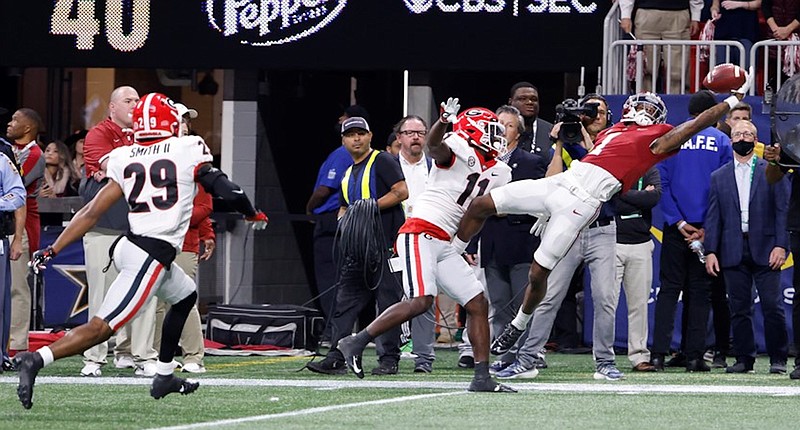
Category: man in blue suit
[746,236]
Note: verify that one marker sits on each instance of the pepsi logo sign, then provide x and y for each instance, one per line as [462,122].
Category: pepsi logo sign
[271,22]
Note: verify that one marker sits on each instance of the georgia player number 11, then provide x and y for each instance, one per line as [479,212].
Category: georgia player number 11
[77,17]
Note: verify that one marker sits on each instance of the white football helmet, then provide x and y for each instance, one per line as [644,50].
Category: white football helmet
[644,109]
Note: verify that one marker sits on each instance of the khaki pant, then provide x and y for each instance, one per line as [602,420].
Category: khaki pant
[134,339]
[192,335]
[653,24]
[20,297]
[635,272]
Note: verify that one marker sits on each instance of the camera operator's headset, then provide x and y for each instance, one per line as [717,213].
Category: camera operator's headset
[595,96]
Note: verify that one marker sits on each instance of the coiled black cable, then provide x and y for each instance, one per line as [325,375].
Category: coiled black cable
[362,242]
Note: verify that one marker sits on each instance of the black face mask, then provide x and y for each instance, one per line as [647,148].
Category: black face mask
[743,148]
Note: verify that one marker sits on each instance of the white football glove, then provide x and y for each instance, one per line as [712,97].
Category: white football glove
[745,88]
[448,111]
[540,224]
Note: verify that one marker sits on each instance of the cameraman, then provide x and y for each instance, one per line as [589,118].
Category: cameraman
[572,138]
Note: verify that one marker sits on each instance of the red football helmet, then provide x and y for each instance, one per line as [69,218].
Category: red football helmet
[644,109]
[155,117]
[479,126]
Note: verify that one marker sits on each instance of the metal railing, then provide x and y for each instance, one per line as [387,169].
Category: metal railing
[616,52]
[765,45]
[616,78]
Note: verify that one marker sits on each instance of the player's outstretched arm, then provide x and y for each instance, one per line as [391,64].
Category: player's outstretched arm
[440,152]
[682,133]
[87,217]
[217,184]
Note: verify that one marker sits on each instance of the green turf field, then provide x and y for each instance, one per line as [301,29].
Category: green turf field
[258,392]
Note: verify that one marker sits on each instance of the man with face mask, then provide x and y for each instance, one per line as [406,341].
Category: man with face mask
[746,238]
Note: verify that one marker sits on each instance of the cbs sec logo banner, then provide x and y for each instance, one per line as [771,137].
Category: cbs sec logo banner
[310,34]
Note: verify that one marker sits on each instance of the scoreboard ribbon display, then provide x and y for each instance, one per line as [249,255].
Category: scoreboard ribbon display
[316,34]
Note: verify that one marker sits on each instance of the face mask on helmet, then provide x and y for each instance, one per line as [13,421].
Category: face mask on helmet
[155,117]
[644,109]
[479,126]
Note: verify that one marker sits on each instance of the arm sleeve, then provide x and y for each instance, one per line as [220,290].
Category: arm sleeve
[13,192]
[388,170]
[217,183]
[782,195]
[713,226]
[95,146]
[201,208]
[695,9]
[626,8]
[206,229]
[766,9]
[668,205]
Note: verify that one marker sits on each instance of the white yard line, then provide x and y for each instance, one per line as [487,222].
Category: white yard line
[522,385]
[309,411]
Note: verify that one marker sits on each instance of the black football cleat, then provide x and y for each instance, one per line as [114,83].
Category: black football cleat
[352,355]
[28,364]
[489,385]
[165,384]
[506,340]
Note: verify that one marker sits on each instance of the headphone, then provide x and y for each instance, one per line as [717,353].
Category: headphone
[595,96]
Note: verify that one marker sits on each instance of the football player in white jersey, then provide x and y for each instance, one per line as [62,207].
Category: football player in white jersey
[158,176]
[465,167]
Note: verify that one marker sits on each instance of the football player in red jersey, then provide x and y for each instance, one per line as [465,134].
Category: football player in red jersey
[466,167]
[572,199]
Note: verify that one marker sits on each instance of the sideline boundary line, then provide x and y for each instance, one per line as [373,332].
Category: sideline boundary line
[521,385]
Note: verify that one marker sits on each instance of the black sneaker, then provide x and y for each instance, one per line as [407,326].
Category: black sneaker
[740,367]
[795,373]
[506,340]
[719,361]
[385,369]
[778,368]
[466,362]
[489,385]
[28,364]
[328,366]
[352,355]
[165,384]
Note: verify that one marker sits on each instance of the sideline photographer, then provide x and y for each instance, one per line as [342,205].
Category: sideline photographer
[570,137]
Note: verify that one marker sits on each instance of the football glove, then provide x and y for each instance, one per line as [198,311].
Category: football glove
[40,259]
[259,220]
[540,224]
[745,88]
[448,111]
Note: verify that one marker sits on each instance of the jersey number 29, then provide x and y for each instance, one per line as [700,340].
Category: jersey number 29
[163,174]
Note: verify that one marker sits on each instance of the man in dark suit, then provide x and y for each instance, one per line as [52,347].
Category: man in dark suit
[506,246]
[536,136]
[746,236]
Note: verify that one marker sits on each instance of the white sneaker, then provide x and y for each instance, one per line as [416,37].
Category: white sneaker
[148,369]
[193,368]
[124,362]
[91,369]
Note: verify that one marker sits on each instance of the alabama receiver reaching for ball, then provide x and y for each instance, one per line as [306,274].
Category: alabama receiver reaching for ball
[158,176]
[465,168]
[572,199]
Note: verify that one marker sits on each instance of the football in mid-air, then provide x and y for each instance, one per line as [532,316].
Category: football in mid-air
[724,78]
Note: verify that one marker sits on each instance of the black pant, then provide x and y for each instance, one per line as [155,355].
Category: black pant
[722,315]
[354,295]
[325,269]
[739,280]
[681,271]
[794,237]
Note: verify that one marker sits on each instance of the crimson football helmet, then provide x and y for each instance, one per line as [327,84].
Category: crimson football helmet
[155,117]
[644,109]
[480,127]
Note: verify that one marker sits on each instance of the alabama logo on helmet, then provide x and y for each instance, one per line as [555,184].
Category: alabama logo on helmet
[155,117]
[480,127]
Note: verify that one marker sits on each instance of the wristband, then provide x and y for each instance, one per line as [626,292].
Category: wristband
[681,225]
[459,245]
[732,101]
